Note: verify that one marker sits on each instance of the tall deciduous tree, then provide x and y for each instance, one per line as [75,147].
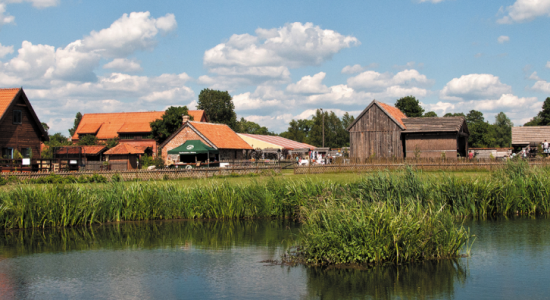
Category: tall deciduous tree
[454,115]
[430,114]
[87,140]
[77,119]
[171,121]
[502,131]
[218,106]
[347,119]
[478,129]
[244,126]
[410,106]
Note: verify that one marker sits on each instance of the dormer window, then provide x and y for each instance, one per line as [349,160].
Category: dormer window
[17,117]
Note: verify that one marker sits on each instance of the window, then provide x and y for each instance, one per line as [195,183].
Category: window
[135,136]
[7,153]
[26,152]
[17,117]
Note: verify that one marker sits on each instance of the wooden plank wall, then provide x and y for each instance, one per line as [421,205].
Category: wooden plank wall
[375,134]
[431,145]
[19,136]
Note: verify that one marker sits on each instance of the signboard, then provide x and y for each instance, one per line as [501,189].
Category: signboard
[73,162]
[189,147]
[26,161]
[224,165]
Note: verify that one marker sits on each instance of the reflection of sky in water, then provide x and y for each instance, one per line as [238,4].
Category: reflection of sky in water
[177,261]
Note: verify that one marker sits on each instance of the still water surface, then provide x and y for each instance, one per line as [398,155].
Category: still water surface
[221,259]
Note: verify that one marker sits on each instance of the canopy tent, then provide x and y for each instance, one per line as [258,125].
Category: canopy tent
[193,147]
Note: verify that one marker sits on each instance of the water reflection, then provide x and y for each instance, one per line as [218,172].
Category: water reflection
[433,279]
[216,259]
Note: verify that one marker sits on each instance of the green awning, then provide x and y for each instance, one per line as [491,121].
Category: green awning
[193,147]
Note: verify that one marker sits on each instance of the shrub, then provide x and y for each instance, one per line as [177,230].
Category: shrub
[116,178]
[3,181]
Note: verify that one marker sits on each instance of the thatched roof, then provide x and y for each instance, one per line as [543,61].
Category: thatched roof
[525,135]
[435,124]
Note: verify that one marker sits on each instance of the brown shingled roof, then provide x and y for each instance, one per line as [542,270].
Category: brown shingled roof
[434,124]
[526,134]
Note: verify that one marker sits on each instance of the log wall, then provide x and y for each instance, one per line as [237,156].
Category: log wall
[431,145]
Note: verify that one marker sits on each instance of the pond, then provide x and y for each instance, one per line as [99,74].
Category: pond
[223,259]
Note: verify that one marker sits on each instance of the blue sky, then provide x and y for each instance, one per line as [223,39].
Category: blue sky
[279,59]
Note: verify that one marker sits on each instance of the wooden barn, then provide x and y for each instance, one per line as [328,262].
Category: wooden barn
[376,132]
[20,128]
[383,131]
[523,136]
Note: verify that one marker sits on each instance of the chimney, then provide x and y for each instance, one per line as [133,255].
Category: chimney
[185,118]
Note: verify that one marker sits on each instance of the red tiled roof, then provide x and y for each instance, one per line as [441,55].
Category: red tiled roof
[135,127]
[90,128]
[197,115]
[128,122]
[125,148]
[6,97]
[86,150]
[280,141]
[221,135]
[394,112]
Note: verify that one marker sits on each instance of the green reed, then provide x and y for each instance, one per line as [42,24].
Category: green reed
[517,189]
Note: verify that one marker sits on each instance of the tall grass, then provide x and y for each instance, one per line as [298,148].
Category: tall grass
[515,190]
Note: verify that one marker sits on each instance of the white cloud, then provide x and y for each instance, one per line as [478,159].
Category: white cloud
[309,85]
[245,101]
[353,69]
[5,50]
[524,11]
[378,81]
[36,3]
[123,65]
[409,65]
[474,86]
[541,86]
[548,64]
[534,76]
[4,17]
[128,34]
[503,39]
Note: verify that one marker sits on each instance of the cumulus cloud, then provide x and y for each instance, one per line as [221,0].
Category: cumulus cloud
[378,81]
[5,50]
[5,18]
[503,39]
[309,85]
[123,65]
[541,86]
[474,86]
[246,101]
[353,69]
[548,64]
[524,11]
[270,53]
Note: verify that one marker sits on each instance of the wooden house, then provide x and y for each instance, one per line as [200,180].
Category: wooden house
[523,136]
[383,131]
[127,154]
[376,132]
[20,128]
[130,127]
[217,136]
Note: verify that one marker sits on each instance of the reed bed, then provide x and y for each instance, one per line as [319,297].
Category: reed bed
[516,189]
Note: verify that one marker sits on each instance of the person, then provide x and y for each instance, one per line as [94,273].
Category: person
[471,154]
[523,153]
[545,147]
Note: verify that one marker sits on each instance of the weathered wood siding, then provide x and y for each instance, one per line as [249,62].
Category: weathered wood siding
[19,136]
[431,145]
[375,134]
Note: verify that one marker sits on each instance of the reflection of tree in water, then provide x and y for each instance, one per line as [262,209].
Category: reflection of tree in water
[431,279]
[150,235]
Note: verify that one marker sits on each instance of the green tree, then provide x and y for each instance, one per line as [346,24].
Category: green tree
[410,106]
[56,140]
[454,115]
[171,121]
[87,140]
[535,121]
[502,131]
[244,126]
[218,106]
[478,129]
[544,114]
[77,120]
[111,143]
[347,119]
[298,130]
[430,114]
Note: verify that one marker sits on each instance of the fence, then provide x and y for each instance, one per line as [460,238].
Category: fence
[162,174]
[100,166]
[420,164]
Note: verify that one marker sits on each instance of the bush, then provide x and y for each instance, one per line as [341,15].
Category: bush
[116,178]
[3,181]
[98,178]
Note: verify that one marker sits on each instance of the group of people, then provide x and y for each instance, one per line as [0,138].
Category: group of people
[314,157]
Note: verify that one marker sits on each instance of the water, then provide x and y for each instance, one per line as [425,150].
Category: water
[221,259]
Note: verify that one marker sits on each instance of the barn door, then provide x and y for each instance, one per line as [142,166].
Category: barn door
[132,159]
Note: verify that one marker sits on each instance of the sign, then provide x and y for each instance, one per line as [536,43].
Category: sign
[26,161]
[73,162]
[189,147]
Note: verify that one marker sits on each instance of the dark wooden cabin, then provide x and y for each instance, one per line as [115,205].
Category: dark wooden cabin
[376,132]
[20,128]
[436,137]
[383,131]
